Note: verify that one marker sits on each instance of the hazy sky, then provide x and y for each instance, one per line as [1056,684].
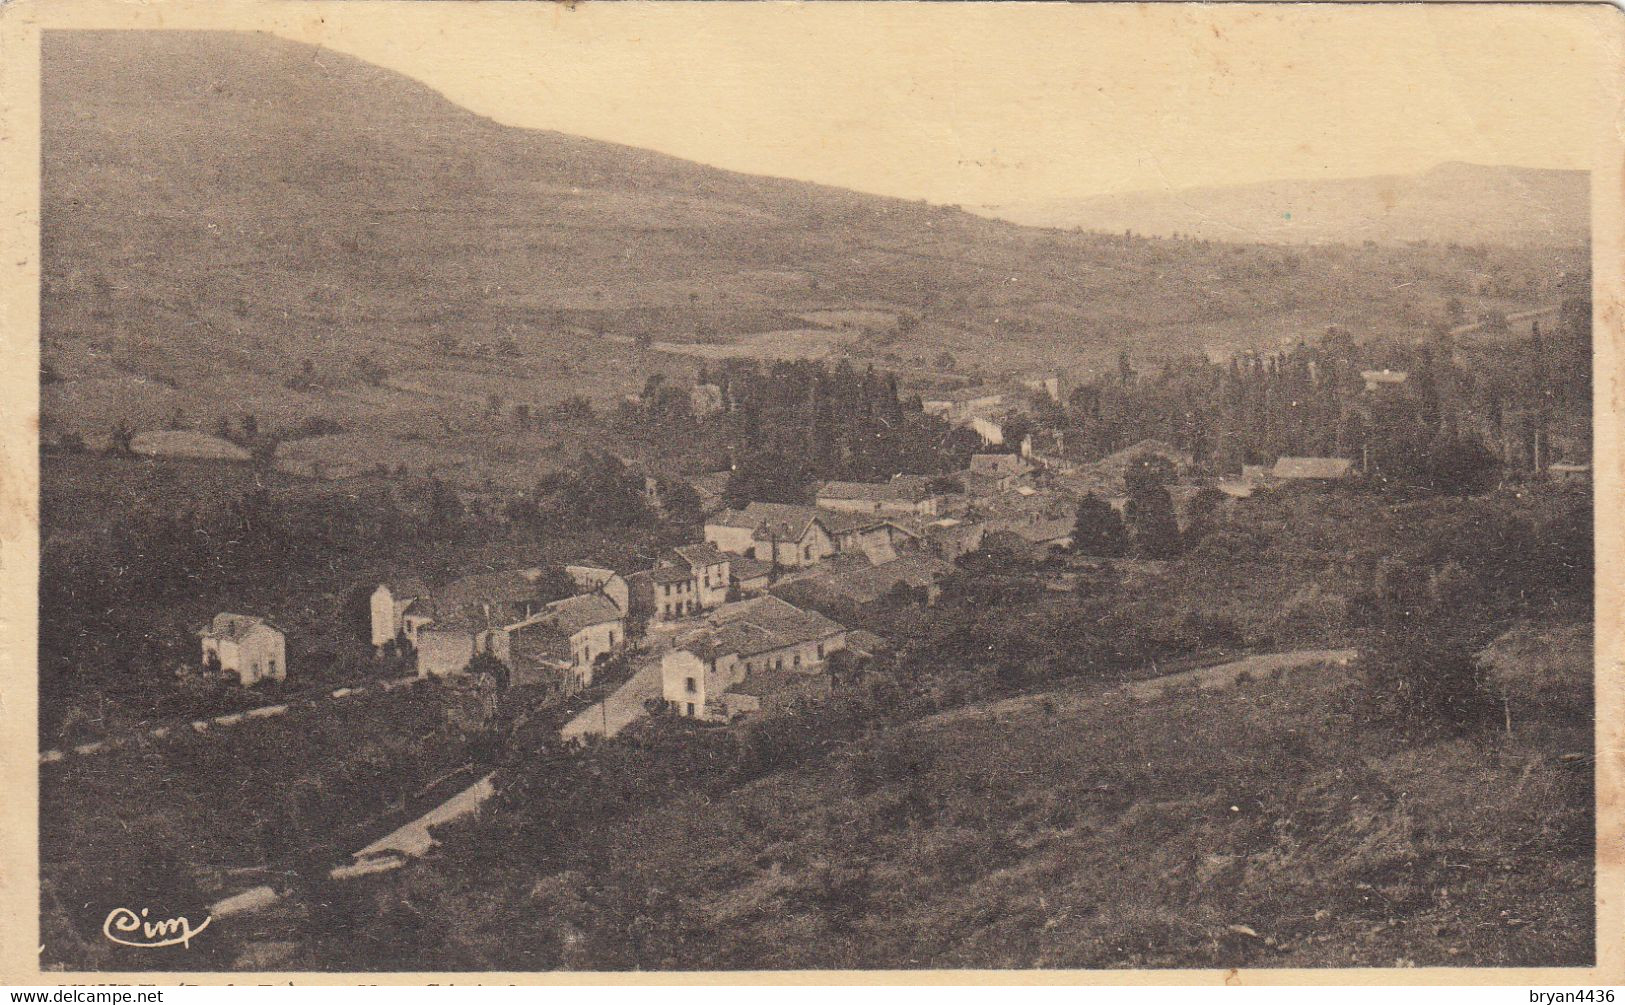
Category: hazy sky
[1003,103]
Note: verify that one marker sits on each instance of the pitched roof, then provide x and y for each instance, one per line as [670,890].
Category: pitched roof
[233,627]
[907,488]
[508,586]
[700,555]
[845,523]
[539,640]
[860,582]
[758,625]
[1311,467]
[572,614]
[666,574]
[748,568]
[865,641]
[783,521]
[710,483]
[595,574]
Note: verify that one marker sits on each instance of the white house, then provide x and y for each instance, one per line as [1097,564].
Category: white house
[247,646]
[990,430]
[705,676]
[782,534]
[666,593]
[708,568]
[395,614]
[462,616]
[557,645]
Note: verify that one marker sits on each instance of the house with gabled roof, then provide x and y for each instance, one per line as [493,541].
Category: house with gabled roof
[903,495]
[458,619]
[559,647]
[246,646]
[873,536]
[782,534]
[666,592]
[708,568]
[707,672]
[396,611]
[554,647]
[748,575]
[859,580]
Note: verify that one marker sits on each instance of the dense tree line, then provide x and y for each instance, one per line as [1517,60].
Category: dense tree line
[1461,408]
[784,425]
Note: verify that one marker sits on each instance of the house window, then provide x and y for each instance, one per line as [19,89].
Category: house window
[820,650]
[691,710]
[688,685]
[778,664]
[748,667]
[807,553]
[798,659]
[612,638]
[271,667]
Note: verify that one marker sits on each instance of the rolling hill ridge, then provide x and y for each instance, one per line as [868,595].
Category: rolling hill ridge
[221,208]
[1453,202]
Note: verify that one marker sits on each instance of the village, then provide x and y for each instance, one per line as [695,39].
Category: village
[486,527]
[734,623]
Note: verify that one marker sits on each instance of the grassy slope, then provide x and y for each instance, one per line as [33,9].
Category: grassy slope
[1122,833]
[219,207]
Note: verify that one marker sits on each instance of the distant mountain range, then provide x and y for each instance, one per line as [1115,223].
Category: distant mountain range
[1454,202]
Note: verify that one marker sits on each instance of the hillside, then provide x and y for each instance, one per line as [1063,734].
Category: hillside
[220,208]
[995,796]
[1455,202]
[1269,822]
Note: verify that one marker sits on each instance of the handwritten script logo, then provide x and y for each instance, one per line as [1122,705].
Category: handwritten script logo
[152,934]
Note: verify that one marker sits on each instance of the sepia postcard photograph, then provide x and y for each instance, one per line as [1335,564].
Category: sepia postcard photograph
[783,491]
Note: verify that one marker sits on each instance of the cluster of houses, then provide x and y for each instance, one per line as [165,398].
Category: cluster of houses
[726,607]
[551,644]
[745,655]
[733,646]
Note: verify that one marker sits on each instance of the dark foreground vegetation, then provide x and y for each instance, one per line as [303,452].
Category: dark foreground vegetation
[981,799]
